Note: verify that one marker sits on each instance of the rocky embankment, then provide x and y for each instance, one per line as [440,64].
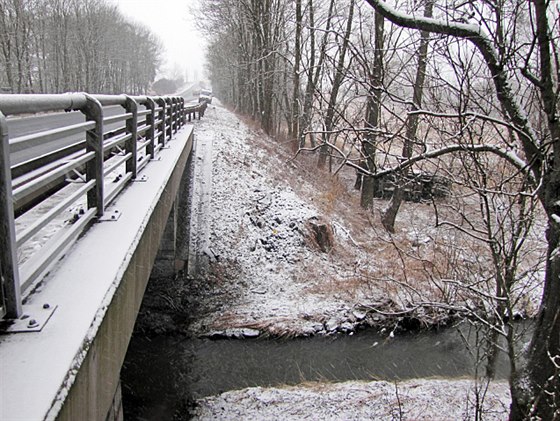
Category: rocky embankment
[276,259]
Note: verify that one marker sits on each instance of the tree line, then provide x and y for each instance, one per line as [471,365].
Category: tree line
[468,90]
[54,46]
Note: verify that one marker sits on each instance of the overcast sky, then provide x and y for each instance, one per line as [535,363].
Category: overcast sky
[172,22]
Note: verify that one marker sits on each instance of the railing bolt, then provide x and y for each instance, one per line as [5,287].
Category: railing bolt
[32,323]
[46,306]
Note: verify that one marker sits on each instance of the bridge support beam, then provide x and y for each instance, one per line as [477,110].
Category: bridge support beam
[164,265]
[173,250]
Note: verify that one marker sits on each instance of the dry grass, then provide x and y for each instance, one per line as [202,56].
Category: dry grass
[351,288]
[417,264]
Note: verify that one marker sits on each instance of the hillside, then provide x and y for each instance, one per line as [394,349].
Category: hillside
[264,273]
[261,272]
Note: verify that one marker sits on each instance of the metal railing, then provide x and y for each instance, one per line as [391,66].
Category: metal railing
[90,172]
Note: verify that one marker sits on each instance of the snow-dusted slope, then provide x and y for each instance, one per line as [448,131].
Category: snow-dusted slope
[259,248]
[412,400]
[264,273]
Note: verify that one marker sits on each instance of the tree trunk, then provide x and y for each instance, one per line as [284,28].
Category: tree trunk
[390,213]
[543,367]
[294,127]
[536,389]
[337,82]
[315,71]
[373,116]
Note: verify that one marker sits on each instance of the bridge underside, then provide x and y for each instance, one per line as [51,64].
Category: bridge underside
[70,370]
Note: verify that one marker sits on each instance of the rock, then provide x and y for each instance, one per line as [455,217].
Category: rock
[346,327]
[216,334]
[359,315]
[320,234]
[309,330]
[318,327]
[250,333]
[331,325]
[234,333]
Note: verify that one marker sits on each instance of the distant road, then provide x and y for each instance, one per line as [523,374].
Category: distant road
[187,91]
[24,126]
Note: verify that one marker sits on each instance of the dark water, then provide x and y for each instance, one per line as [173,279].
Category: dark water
[164,373]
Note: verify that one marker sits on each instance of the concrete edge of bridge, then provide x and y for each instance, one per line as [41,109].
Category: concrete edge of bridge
[70,370]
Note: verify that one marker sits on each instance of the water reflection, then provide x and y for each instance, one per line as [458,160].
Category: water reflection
[162,372]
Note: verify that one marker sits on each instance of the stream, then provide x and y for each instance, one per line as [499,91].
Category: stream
[164,374]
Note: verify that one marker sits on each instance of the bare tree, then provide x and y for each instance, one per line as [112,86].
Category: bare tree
[60,45]
[293,129]
[338,78]
[315,68]
[536,388]
[373,116]
[390,213]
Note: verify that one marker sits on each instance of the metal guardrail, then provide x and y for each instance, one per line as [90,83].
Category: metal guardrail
[147,123]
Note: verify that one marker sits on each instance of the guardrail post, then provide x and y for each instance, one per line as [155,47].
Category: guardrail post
[169,131]
[94,143]
[176,114]
[162,117]
[183,115]
[131,144]
[151,122]
[10,289]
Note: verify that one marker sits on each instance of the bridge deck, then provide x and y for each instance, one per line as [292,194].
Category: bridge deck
[102,277]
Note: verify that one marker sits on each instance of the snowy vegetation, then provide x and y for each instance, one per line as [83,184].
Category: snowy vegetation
[55,46]
[467,90]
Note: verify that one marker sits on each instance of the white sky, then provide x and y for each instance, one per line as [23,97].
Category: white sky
[172,22]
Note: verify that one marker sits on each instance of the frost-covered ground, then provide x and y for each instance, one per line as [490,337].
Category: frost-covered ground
[411,400]
[258,240]
[266,273]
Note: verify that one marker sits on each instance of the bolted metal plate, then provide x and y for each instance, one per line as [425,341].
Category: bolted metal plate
[142,179]
[34,319]
[110,215]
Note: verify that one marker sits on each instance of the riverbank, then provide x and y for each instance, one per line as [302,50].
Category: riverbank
[412,400]
[289,252]
[172,377]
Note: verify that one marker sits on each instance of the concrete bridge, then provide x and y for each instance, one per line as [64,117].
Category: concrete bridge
[97,214]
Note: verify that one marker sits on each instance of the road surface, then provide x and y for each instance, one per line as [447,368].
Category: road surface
[21,126]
